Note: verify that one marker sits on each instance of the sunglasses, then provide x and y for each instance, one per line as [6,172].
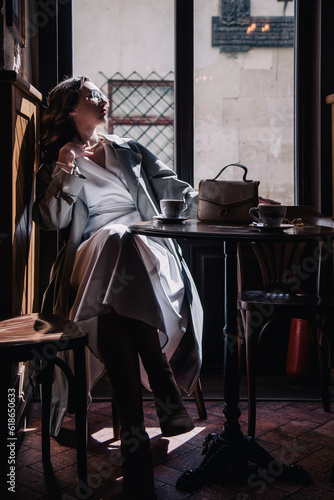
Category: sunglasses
[97,97]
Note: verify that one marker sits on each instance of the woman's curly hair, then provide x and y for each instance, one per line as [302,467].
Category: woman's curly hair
[57,125]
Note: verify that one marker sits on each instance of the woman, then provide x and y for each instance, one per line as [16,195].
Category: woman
[134,295]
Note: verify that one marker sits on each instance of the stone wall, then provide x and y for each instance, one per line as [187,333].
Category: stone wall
[244,107]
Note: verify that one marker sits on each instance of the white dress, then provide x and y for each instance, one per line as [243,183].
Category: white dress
[135,275]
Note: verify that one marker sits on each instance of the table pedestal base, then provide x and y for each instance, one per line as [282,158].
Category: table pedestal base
[242,459]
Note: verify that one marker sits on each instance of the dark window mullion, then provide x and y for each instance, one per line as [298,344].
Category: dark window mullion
[184,89]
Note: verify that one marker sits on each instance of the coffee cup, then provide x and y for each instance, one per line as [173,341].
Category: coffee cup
[268,215]
[172,209]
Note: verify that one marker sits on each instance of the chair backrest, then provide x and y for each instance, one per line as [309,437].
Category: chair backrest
[285,267]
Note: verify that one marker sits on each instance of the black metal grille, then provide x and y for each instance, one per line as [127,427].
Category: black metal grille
[143,109]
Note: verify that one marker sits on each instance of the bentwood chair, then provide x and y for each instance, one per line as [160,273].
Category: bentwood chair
[289,285]
[40,337]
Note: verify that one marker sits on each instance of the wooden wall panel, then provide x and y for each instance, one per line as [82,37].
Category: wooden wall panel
[206,262]
[19,280]
[24,233]
[19,143]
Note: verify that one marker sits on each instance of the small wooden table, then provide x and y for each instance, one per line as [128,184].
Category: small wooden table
[231,448]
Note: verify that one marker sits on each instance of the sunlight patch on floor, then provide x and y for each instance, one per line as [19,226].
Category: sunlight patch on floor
[106,434]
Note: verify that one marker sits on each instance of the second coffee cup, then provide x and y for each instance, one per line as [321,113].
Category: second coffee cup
[268,215]
[172,209]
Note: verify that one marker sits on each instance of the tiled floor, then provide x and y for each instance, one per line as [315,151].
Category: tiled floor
[293,432]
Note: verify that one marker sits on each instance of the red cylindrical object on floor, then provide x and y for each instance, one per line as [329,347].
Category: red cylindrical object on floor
[299,358]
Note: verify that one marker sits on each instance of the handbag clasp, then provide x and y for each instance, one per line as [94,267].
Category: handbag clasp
[223,211]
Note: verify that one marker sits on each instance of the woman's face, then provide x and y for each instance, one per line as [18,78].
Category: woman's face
[91,108]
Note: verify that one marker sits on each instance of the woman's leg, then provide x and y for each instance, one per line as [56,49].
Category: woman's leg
[121,362]
[173,416]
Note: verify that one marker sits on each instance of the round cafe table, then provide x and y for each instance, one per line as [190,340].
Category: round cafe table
[231,451]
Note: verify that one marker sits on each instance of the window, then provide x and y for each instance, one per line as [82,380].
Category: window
[129,54]
[244,92]
[143,109]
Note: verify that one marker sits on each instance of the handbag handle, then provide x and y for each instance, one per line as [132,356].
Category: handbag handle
[235,165]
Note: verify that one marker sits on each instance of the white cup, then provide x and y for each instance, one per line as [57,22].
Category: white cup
[172,209]
[268,215]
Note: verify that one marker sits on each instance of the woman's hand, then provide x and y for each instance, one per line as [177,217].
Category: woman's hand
[72,150]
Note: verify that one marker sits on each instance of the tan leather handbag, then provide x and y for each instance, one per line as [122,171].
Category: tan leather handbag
[227,201]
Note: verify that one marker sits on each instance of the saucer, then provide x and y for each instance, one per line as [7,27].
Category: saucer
[263,227]
[170,220]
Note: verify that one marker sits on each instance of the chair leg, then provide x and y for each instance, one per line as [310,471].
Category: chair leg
[81,414]
[200,401]
[241,341]
[45,378]
[251,353]
[323,370]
